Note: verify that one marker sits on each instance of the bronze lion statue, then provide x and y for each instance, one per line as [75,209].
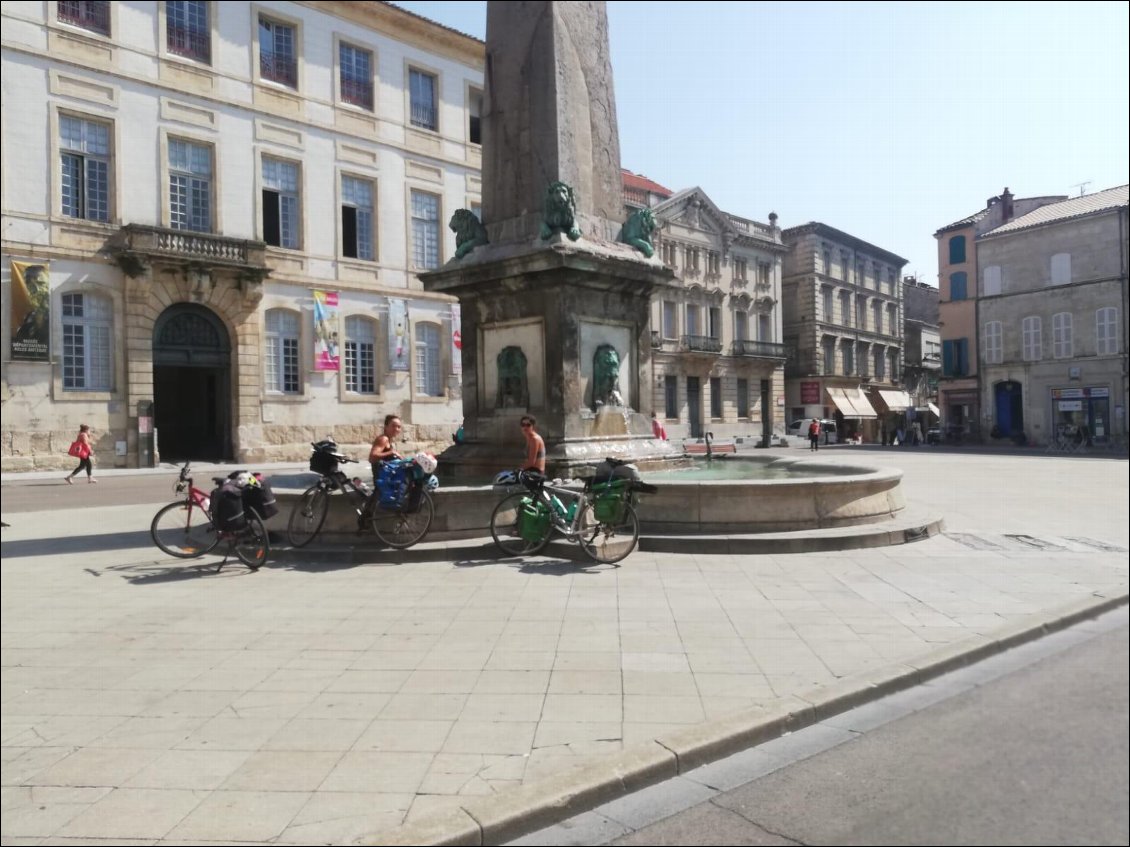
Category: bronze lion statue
[606,376]
[637,230]
[469,232]
[560,212]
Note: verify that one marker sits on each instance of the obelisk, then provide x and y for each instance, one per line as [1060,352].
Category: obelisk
[555,310]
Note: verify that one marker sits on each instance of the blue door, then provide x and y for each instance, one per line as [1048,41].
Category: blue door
[1010,408]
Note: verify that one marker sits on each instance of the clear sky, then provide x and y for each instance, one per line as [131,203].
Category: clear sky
[884,120]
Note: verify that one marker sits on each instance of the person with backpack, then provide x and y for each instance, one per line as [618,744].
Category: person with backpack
[814,435]
[81,450]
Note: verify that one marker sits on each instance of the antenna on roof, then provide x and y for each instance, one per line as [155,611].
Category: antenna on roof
[1082,186]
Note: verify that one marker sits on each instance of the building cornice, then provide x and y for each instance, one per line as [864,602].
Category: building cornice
[842,238]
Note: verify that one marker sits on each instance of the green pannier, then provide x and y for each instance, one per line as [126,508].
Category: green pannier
[609,499]
[533,520]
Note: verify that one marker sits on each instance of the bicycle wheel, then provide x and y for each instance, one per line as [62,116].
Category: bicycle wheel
[402,529]
[184,530]
[610,542]
[251,543]
[308,515]
[504,528]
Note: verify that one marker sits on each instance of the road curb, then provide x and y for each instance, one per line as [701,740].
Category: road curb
[500,818]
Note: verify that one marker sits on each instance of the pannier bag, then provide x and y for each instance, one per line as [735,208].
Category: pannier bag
[325,458]
[392,483]
[609,499]
[227,507]
[533,520]
[260,498]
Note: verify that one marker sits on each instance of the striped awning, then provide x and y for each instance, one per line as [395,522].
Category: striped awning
[851,402]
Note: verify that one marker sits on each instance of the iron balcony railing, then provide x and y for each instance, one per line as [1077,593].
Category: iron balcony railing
[190,44]
[89,14]
[760,349]
[701,344]
[357,92]
[278,67]
[423,116]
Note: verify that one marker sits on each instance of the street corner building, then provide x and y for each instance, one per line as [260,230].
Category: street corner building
[215,215]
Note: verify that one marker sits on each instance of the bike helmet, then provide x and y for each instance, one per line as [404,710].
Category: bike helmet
[426,462]
[506,478]
[432,483]
[242,479]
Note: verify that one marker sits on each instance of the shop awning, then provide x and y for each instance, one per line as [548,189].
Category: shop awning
[896,401]
[937,412]
[851,402]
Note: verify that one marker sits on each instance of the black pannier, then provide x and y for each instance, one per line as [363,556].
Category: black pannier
[260,498]
[325,458]
[227,508]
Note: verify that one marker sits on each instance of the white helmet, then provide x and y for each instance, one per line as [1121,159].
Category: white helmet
[432,483]
[506,478]
[243,479]
[426,462]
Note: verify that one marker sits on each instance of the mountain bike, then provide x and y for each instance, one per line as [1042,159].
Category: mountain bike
[185,528]
[398,523]
[601,517]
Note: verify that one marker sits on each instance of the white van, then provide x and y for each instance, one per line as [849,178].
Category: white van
[828,431]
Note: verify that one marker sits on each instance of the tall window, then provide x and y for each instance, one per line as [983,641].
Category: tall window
[357,218]
[187,30]
[743,398]
[994,342]
[845,308]
[281,208]
[1032,341]
[85,147]
[893,360]
[861,312]
[741,326]
[741,269]
[422,100]
[190,186]
[692,319]
[475,116]
[764,328]
[877,315]
[957,249]
[360,358]
[992,280]
[1061,269]
[715,397]
[848,353]
[278,54]
[829,307]
[763,269]
[356,75]
[427,360]
[892,319]
[670,323]
[425,230]
[714,316]
[877,359]
[827,263]
[671,396]
[87,324]
[829,350]
[1062,343]
[1106,330]
[958,286]
[955,358]
[280,364]
[93,15]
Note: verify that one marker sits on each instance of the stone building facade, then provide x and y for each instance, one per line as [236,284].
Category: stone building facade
[717,351]
[843,325]
[1052,319]
[959,393]
[230,203]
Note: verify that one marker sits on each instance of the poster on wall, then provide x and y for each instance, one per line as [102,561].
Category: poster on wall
[326,350]
[456,340]
[397,335]
[31,311]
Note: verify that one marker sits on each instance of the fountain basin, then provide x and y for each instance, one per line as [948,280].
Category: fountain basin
[821,495]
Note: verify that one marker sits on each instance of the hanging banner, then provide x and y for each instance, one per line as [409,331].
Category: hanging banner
[31,311]
[326,350]
[456,340]
[397,335]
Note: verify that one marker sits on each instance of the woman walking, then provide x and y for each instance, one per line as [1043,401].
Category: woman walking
[82,449]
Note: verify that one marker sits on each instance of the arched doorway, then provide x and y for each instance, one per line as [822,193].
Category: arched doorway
[192,384]
[1009,398]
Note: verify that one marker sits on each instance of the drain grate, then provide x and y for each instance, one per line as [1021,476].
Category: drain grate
[1033,542]
[973,541]
[1097,545]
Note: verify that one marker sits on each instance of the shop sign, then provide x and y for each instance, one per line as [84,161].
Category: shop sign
[810,393]
[1071,405]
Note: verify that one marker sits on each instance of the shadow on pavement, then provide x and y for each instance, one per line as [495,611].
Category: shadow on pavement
[81,544]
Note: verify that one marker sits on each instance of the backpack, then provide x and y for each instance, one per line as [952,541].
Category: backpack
[814,428]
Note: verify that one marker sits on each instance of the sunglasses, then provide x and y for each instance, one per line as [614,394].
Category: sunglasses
[524,425]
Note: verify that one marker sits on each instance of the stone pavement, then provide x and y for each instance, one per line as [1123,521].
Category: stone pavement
[148,700]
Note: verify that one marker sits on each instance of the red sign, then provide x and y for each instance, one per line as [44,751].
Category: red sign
[810,393]
[457,339]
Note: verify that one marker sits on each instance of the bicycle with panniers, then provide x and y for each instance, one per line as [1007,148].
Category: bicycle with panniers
[600,516]
[398,511]
[234,511]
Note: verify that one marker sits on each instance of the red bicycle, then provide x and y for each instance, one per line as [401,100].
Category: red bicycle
[185,528]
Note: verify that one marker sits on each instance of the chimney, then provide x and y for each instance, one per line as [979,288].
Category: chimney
[1006,202]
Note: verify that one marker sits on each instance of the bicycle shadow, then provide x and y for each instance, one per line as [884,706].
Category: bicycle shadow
[151,572]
